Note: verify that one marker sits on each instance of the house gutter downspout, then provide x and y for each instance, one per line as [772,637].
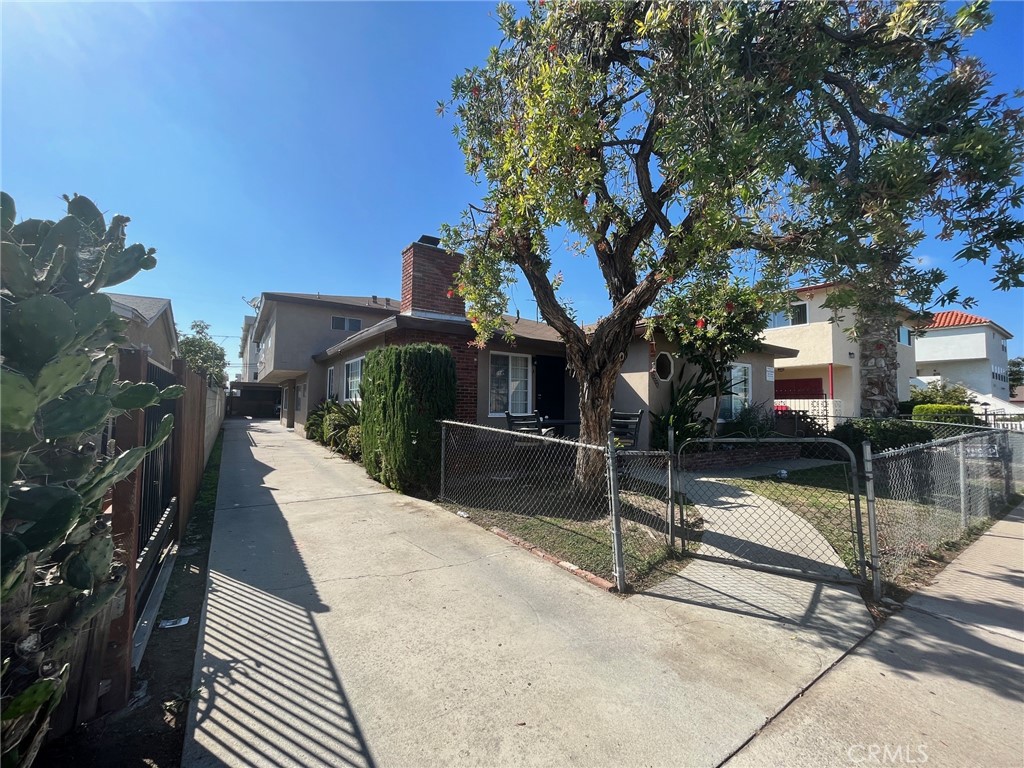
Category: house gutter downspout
[831,384]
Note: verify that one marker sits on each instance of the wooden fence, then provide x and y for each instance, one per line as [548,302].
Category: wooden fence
[148,511]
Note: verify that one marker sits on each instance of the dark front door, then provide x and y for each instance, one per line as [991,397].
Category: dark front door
[550,383]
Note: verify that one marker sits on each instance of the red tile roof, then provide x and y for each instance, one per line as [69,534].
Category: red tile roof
[954,317]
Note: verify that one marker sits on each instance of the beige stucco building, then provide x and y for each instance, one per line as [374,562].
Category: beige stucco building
[827,364]
[150,326]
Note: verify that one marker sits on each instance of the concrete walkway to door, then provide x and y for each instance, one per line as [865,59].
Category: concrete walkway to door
[348,625]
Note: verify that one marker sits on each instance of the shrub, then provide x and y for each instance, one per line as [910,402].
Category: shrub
[884,434]
[949,414]
[315,419]
[405,391]
[355,447]
[337,424]
[940,392]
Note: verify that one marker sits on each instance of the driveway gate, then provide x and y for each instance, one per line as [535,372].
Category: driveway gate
[785,505]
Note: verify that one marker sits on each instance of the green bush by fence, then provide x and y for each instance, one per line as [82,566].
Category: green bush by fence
[883,434]
[952,414]
[405,391]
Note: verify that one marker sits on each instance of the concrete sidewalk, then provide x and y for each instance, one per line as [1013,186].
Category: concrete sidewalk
[348,625]
[941,683]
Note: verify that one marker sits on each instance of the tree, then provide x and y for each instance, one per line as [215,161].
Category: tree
[634,128]
[715,321]
[668,138]
[1015,371]
[905,127]
[203,354]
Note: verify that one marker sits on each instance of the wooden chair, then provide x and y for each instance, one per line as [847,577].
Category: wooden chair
[626,428]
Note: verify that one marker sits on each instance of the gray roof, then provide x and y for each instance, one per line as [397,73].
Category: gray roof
[149,307]
[377,302]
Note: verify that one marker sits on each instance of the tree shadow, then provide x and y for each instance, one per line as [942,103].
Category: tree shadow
[267,691]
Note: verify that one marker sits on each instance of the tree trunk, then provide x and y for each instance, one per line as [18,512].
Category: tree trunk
[877,332]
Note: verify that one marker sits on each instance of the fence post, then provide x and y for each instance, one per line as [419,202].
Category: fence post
[618,560]
[1004,451]
[869,490]
[671,487]
[964,505]
[444,445]
[130,432]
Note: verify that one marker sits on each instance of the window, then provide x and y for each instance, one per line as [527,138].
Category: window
[256,377]
[510,384]
[905,337]
[346,323]
[284,400]
[330,383]
[739,385]
[663,366]
[353,377]
[795,315]
[299,392]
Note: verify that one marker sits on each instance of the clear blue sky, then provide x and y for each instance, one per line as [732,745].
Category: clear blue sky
[286,146]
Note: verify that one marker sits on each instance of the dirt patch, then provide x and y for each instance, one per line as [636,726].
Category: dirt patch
[150,731]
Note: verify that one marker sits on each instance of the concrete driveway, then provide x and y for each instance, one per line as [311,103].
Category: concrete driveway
[348,625]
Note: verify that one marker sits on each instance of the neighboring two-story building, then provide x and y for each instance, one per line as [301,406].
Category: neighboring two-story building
[826,367]
[968,349]
[150,326]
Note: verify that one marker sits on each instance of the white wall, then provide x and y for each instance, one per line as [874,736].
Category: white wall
[952,344]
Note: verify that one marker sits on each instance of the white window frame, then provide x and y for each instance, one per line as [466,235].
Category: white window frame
[354,398]
[737,402]
[330,383]
[284,401]
[787,315]
[352,324]
[529,382]
[910,336]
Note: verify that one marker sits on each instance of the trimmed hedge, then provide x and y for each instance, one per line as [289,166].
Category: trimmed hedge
[405,391]
[883,434]
[952,414]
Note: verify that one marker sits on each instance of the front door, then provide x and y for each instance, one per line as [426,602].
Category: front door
[550,386]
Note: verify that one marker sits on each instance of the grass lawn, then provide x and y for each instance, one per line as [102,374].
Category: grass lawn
[576,527]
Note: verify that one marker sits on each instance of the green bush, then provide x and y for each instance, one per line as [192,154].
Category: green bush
[405,391]
[337,424]
[355,443]
[315,419]
[948,414]
[884,434]
[940,392]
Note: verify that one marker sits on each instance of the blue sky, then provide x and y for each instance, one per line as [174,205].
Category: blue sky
[286,146]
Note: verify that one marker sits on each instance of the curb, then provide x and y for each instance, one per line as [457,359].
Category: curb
[575,570]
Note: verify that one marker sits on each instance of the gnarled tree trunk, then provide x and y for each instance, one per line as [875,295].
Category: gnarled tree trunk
[877,330]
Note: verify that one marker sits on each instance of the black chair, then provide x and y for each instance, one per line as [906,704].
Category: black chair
[626,428]
[529,423]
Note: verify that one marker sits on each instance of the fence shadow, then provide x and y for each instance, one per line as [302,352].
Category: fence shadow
[268,692]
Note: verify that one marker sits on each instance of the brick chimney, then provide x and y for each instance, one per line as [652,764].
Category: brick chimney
[428,273]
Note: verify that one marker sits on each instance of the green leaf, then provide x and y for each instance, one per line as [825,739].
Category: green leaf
[60,375]
[35,332]
[136,396]
[18,401]
[84,414]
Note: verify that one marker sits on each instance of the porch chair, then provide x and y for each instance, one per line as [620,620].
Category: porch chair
[531,424]
[626,427]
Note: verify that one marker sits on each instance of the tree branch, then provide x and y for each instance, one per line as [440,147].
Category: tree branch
[536,275]
[877,119]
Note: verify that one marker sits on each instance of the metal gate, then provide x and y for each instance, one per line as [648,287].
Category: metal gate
[785,505]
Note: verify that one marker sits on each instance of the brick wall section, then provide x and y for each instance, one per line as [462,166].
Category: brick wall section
[465,365]
[428,273]
[740,457]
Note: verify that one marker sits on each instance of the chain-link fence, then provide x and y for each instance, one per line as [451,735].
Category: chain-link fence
[926,496]
[559,495]
[782,504]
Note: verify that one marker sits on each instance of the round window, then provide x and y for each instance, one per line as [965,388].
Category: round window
[663,366]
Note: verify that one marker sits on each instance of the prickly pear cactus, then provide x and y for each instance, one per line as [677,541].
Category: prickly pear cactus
[57,390]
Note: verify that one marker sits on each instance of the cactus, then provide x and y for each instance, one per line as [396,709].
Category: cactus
[57,388]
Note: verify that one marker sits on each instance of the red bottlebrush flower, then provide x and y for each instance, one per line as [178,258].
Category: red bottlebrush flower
[553,47]
[670,279]
[729,306]
[476,92]
[540,3]
[451,293]
[472,319]
[701,323]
